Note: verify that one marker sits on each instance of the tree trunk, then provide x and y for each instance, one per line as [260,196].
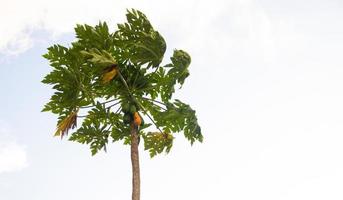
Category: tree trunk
[136,182]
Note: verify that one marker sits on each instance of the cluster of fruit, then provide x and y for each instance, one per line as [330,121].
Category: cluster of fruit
[131,114]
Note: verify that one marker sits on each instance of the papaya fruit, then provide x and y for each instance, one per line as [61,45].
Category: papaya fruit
[137,120]
[126,108]
[133,109]
[126,119]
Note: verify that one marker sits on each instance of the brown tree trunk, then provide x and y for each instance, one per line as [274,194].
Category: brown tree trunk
[136,182]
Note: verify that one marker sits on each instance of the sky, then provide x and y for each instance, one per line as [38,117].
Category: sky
[266,82]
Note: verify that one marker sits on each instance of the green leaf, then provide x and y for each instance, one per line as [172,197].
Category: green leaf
[156,142]
[102,58]
[94,37]
[138,41]
[95,136]
[167,77]
[98,126]
[179,69]
[176,117]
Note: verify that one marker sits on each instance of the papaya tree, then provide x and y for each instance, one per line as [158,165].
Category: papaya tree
[114,85]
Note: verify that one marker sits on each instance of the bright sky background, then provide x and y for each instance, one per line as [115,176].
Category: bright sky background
[266,81]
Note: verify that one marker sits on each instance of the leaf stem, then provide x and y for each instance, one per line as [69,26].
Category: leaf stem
[100,103]
[147,114]
[113,105]
[117,111]
[153,100]
[153,122]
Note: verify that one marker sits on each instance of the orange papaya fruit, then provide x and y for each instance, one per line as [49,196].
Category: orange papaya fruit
[137,119]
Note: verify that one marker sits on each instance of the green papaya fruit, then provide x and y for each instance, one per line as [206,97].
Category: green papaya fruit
[133,109]
[126,108]
[126,119]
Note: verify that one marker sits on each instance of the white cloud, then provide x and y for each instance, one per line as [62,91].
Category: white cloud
[13,156]
[20,19]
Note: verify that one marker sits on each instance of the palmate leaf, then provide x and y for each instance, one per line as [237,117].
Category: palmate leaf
[166,78]
[179,68]
[157,142]
[68,92]
[67,123]
[94,135]
[176,117]
[97,37]
[102,58]
[98,126]
[138,41]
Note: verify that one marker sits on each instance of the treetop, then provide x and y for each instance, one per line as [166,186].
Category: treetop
[108,80]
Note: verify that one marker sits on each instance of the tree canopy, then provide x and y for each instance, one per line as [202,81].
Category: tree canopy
[104,80]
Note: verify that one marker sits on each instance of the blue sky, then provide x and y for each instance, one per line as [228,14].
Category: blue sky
[266,81]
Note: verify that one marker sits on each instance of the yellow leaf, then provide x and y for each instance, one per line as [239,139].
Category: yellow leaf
[108,76]
[66,124]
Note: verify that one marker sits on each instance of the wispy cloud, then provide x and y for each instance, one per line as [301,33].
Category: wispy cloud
[20,19]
